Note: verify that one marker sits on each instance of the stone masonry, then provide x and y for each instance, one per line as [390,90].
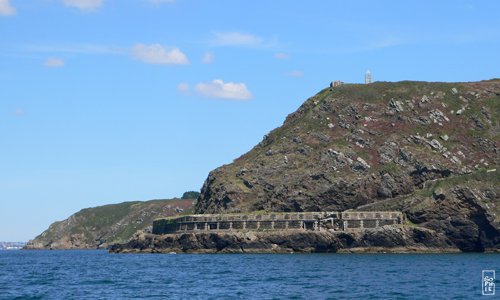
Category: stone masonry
[315,221]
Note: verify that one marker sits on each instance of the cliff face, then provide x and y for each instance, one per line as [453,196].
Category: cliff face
[449,215]
[101,226]
[383,239]
[384,143]
[465,209]
[356,144]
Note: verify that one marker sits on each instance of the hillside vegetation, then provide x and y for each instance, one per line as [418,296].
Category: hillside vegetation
[429,149]
[101,226]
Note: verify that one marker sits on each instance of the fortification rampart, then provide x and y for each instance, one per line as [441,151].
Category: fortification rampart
[316,221]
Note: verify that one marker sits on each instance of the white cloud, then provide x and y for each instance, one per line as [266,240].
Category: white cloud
[157,54]
[281,56]
[235,39]
[6,8]
[208,58]
[86,5]
[218,89]
[54,62]
[296,73]
[183,87]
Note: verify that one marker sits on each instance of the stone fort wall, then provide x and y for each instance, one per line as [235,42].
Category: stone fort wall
[316,221]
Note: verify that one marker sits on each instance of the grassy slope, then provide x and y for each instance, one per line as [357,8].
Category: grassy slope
[112,223]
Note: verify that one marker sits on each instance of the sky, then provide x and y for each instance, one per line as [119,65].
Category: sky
[105,101]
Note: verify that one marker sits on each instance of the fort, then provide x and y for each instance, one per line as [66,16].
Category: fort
[315,221]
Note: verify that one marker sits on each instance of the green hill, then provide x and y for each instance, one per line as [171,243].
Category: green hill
[100,226]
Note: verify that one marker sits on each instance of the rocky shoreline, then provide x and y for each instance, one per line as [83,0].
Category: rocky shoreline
[387,239]
[453,219]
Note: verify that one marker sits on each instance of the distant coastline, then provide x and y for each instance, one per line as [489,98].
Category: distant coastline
[12,245]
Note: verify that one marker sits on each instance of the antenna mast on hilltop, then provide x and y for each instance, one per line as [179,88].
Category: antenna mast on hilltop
[368,77]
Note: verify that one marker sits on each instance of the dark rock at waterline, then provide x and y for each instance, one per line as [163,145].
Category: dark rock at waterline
[386,238]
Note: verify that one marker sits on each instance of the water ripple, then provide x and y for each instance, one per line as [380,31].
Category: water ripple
[99,275]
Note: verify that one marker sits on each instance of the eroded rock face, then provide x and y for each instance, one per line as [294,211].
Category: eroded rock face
[361,145]
[356,144]
[386,238]
[452,218]
[467,216]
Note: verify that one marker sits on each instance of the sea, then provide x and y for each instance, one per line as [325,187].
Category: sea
[97,274]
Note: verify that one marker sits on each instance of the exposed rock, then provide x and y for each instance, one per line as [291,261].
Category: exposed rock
[224,191]
[435,144]
[384,239]
[455,160]
[388,152]
[399,156]
[396,105]
[363,162]
[438,116]
[344,125]
[463,216]
[479,123]
[387,186]
[439,194]
[242,172]
[486,145]
[422,120]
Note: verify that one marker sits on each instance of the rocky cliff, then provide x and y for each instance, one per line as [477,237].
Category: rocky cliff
[355,144]
[449,215]
[383,239]
[379,144]
[101,226]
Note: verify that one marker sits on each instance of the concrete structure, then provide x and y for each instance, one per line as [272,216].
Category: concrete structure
[355,220]
[368,77]
[316,221]
[336,83]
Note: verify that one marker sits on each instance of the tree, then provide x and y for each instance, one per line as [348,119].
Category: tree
[190,195]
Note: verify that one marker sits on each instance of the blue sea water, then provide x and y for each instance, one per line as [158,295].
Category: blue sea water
[99,275]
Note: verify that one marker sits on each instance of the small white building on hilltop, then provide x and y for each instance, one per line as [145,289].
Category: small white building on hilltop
[368,77]
[336,83]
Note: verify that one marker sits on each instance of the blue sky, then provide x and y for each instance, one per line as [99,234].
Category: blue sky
[104,101]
